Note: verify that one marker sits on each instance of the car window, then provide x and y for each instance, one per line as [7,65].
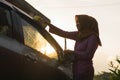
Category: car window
[3,22]
[36,41]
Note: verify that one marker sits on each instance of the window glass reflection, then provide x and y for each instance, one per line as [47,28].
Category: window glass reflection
[35,40]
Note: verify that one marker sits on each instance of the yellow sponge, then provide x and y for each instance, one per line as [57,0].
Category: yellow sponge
[40,20]
[37,18]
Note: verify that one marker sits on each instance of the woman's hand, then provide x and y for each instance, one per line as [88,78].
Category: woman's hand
[68,56]
[51,27]
[68,52]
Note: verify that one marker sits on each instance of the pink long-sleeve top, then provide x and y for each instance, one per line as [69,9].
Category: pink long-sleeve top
[84,50]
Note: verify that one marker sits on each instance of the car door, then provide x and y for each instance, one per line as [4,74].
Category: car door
[22,56]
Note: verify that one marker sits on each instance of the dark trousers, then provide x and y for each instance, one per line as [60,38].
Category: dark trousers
[89,75]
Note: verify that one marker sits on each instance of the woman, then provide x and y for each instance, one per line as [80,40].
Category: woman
[87,41]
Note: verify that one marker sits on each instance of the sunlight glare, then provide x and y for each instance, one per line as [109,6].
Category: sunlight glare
[48,50]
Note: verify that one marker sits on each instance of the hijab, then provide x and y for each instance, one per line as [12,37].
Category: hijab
[87,26]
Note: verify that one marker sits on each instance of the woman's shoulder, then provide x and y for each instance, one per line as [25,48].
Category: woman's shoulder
[93,36]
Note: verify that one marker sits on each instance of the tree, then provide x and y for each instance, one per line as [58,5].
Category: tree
[115,71]
[102,76]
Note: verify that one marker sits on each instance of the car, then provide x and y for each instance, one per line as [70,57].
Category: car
[27,49]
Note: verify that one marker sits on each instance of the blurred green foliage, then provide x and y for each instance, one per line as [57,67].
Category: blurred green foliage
[114,73]
[102,76]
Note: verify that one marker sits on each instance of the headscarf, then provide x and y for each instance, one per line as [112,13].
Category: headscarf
[88,26]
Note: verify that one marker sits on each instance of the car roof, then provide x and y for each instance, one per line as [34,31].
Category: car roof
[15,7]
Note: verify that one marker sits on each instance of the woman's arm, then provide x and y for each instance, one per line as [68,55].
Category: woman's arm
[71,35]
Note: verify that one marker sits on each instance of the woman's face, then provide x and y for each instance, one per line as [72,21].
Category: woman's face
[78,24]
